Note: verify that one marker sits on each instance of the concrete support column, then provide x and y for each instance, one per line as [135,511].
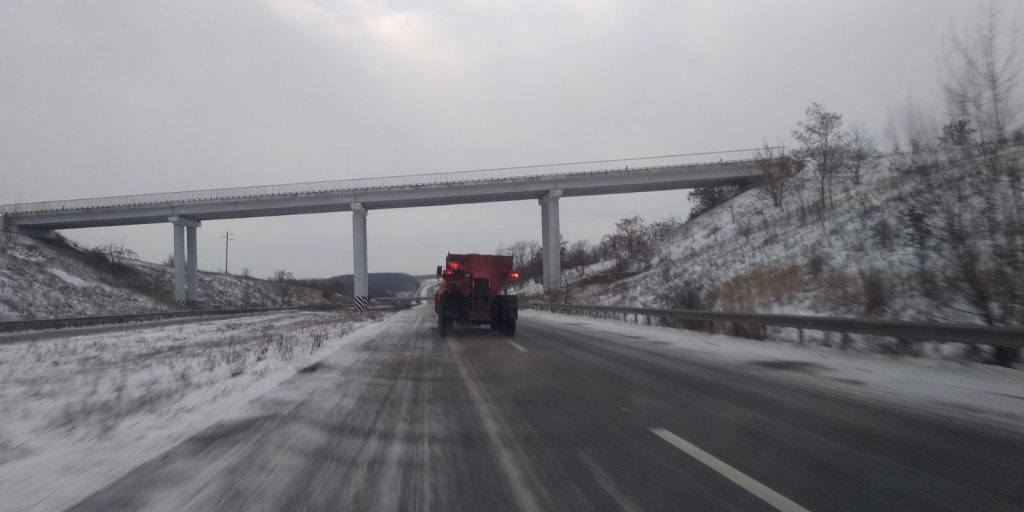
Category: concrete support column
[192,266]
[360,275]
[186,270]
[179,263]
[552,242]
[546,267]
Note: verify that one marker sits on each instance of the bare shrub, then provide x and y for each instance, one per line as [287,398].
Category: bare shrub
[317,337]
[877,295]
[883,234]
[817,261]
[744,228]
[285,348]
[862,151]
[693,295]
[703,199]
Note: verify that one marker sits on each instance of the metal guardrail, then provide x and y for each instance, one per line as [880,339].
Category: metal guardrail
[930,331]
[365,184]
[87,321]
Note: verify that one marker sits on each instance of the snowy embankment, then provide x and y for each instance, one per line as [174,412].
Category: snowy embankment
[55,279]
[992,394]
[892,246]
[41,280]
[78,412]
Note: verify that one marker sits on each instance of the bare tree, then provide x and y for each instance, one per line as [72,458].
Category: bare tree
[861,151]
[577,256]
[919,128]
[823,142]
[776,173]
[892,132]
[984,71]
[630,242]
[283,285]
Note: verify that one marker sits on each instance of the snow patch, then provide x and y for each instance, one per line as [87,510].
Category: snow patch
[68,278]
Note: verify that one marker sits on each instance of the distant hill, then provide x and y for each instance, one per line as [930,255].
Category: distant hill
[382,284]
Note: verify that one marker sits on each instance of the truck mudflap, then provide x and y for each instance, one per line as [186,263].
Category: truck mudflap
[452,307]
[506,307]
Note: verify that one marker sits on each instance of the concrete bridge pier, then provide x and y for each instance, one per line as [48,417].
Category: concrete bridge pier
[186,270]
[360,276]
[551,240]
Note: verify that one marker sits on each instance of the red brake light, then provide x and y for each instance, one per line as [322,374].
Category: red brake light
[513,275]
[453,265]
[449,273]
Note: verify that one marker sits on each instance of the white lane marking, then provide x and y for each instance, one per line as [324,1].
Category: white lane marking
[498,436]
[516,345]
[752,486]
[608,484]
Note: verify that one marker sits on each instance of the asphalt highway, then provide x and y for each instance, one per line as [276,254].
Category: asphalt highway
[568,417]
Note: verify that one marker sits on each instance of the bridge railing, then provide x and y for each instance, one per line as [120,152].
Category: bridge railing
[930,331]
[386,182]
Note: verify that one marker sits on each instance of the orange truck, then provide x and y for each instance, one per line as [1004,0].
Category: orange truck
[471,293]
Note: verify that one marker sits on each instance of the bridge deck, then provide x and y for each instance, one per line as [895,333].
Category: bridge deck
[376,193]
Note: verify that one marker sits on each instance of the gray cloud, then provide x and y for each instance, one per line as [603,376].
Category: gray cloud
[128,97]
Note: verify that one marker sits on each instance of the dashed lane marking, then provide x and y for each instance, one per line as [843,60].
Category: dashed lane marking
[752,486]
[517,346]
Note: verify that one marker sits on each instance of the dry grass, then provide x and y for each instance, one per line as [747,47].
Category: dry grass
[746,292]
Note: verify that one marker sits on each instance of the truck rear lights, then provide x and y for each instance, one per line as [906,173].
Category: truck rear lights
[513,275]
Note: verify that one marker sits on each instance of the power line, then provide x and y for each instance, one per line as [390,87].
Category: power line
[630,159]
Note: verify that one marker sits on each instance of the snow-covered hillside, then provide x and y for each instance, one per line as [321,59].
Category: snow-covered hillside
[52,279]
[920,238]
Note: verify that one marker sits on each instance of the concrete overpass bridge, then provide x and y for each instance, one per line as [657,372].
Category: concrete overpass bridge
[186,210]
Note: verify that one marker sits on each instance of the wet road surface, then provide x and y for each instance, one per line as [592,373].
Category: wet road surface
[567,417]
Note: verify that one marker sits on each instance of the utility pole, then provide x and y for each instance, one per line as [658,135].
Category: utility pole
[227,238]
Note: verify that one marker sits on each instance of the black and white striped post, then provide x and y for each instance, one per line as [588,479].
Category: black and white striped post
[360,278]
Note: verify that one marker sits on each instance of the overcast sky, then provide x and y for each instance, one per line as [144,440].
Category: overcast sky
[107,98]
